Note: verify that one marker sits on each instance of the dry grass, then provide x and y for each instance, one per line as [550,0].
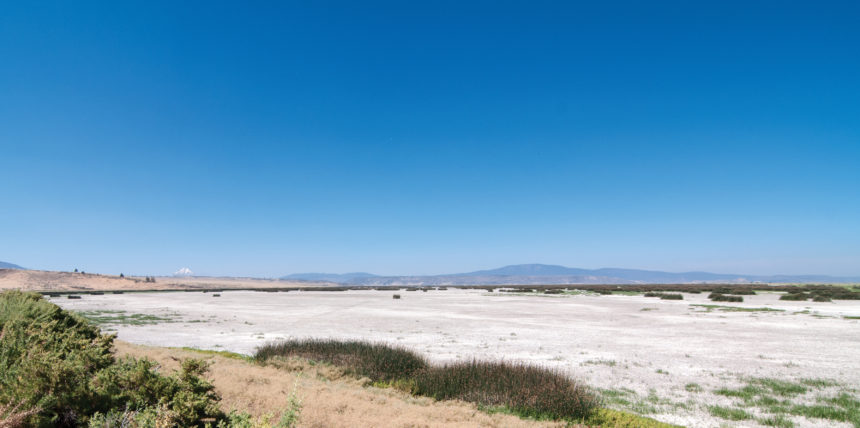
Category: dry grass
[11,417]
[329,397]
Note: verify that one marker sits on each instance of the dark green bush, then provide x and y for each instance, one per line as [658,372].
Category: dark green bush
[60,370]
[794,297]
[187,397]
[723,298]
[664,296]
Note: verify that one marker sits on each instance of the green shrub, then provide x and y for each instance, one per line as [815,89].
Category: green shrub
[187,397]
[47,359]
[669,296]
[60,371]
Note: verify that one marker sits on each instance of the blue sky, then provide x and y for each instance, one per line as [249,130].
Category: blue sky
[420,138]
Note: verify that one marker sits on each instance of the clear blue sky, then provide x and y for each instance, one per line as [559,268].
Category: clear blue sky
[421,138]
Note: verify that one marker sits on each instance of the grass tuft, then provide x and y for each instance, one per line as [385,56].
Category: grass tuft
[730,413]
[778,421]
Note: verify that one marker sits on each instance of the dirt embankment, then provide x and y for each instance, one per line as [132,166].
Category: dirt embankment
[328,398]
[49,281]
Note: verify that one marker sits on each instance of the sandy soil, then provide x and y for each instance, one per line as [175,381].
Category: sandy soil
[652,348]
[37,280]
[328,399]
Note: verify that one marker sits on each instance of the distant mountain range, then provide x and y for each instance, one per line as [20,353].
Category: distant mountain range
[4,265]
[534,274]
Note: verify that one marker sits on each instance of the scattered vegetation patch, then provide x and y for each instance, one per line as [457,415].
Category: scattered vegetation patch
[103,318]
[829,412]
[730,413]
[819,383]
[618,397]
[722,308]
[629,400]
[693,387]
[619,419]
[773,396]
[779,421]
[843,408]
[610,363]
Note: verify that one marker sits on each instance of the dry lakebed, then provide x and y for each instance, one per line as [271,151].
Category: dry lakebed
[689,362]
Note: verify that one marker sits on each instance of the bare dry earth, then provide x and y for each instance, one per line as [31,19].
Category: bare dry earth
[37,280]
[647,349]
[328,398]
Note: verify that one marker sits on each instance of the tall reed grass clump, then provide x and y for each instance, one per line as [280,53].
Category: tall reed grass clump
[526,390]
[376,361]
